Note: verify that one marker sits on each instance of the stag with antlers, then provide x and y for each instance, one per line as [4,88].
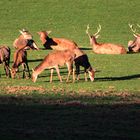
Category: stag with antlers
[104,48]
[134,45]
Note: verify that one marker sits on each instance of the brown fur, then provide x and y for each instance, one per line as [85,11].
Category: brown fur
[5,58]
[106,48]
[134,45]
[23,41]
[54,60]
[20,58]
[56,43]
[62,44]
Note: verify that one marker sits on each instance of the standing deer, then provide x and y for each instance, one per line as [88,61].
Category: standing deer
[5,58]
[81,58]
[25,40]
[134,45]
[54,60]
[104,48]
[20,58]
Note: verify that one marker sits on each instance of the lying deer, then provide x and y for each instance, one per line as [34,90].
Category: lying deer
[20,58]
[56,43]
[134,45]
[25,40]
[5,58]
[54,60]
[81,58]
[104,48]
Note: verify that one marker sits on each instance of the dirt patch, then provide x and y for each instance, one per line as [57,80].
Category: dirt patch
[23,89]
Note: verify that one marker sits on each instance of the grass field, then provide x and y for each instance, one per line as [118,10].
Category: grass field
[108,108]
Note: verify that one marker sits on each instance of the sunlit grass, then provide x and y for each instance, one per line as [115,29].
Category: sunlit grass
[114,72]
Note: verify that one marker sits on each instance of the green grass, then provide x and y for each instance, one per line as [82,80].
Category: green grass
[107,108]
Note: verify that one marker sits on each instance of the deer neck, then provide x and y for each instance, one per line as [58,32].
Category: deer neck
[44,39]
[43,65]
[94,43]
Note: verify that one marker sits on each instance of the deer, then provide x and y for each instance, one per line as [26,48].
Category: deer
[134,45]
[104,48]
[25,40]
[5,59]
[81,59]
[20,58]
[52,61]
[56,43]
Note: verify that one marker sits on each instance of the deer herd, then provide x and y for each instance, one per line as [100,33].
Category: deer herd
[65,52]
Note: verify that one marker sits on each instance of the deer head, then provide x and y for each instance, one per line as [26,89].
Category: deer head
[95,35]
[28,38]
[34,76]
[26,34]
[134,46]
[43,35]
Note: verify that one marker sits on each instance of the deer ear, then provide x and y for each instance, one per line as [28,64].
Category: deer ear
[9,68]
[135,35]
[21,31]
[48,32]
[97,36]
[24,30]
[39,33]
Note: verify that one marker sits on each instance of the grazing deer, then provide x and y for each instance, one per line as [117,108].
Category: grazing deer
[20,58]
[54,60]
[5,58]
[81,58]
[134,45]
[25,40]
[104,48]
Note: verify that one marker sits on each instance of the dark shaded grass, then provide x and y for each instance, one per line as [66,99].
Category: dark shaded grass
[70,121]
[35,118]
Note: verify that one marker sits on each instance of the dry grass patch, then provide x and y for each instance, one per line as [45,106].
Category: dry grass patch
[23,89]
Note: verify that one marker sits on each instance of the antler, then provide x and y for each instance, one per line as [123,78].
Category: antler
[138,25]
[87,31]
[22,31]
[98,30]
[96,34]
[133,30]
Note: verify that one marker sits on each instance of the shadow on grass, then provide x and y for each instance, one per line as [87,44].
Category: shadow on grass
[129,77]
[69,121]
[86,48]
[35,60]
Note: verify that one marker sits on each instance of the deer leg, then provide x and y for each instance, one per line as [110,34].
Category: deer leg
[86,79]
[7,72]
[86,76]
[77,72]
[69,71]
[51,75]
[23,69]
[8,68]
[58,73]
[73,73]
[27,66]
